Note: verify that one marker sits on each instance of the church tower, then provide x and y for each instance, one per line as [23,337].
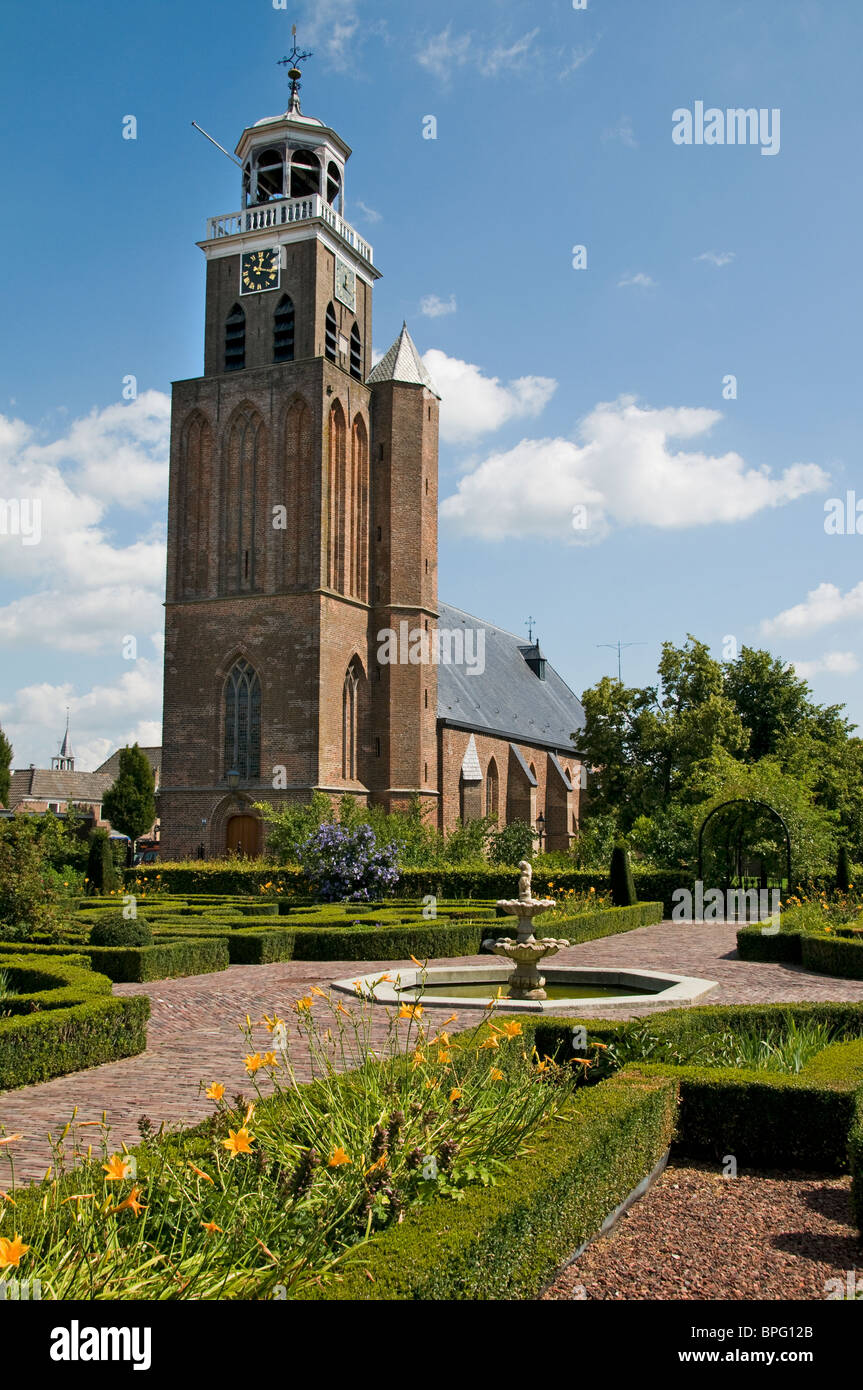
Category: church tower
[301,519]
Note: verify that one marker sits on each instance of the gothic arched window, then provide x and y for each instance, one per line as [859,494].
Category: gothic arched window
[235,340]
[356,354]
[305,174]
[243,721]
[283,330]
[330,333]
[351,721]
[492,789]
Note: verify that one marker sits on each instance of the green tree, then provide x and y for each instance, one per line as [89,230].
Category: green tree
[101,873]
[5,768]
[772,701]
[27,903]
[130,804]
[623,892]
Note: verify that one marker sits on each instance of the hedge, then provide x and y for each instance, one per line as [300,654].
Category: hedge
[855,1160]
[485,881]
[169,957]
[837,954]
[77,1022]
[833,955]
[783,946]
[509,1240]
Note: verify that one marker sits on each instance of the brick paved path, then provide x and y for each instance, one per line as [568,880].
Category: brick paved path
[194,1029]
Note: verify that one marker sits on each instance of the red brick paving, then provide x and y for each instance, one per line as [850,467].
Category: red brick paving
[194,1029]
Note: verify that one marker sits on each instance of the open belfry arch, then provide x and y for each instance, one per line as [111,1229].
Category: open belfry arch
[302,523]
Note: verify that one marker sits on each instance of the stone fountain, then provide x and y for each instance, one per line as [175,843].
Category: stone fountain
[525,951]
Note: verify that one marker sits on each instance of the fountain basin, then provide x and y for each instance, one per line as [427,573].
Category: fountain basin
[571,988]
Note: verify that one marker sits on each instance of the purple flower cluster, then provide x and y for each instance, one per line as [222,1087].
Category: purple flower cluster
[348,865]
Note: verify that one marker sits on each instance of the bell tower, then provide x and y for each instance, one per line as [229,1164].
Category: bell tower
[302,516]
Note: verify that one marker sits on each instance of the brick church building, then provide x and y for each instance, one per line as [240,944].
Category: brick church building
[305,646]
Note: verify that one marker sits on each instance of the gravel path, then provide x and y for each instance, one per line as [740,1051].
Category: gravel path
[700,1236]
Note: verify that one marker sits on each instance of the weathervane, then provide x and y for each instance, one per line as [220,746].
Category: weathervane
[293,59]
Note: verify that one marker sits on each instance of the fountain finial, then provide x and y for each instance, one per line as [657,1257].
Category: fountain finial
[524,882]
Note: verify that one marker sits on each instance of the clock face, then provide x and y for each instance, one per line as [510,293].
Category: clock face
[346,285]
[260,270]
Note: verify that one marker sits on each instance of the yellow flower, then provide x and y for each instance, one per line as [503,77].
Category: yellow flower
[215,1092]
[417,1059]
[200,1172]
[421,963]
[452,1019]
[496,1074]
[489,1044]
[211,1228]
[454,1095]
[271,1023]
[443,1057]
[411,1011]
[543,1065]
[239,1142]
[253,1063]
[11,1138]
[442,1038]
[380,1163]
[116,1168]
[11,1251]
[131,1202]
[78,1197]
[338,1158]
[304,1004]
[321,993]
[269,1059]
[512,1028]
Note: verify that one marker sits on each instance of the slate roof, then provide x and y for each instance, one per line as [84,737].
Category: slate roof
[40,784]
[402,363]
[507,698]
[112,764]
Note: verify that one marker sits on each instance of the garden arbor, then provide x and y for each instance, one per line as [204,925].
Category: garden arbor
[749,832]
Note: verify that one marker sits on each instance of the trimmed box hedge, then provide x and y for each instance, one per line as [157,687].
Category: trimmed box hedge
[169,958]
[484,881]
[836,953]
[64,1019]
[509,1240]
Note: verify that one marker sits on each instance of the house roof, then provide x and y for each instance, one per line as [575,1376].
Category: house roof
[505,697]
[40,784]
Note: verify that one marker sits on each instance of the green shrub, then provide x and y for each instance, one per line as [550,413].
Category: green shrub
[855,1160]
[753,944]
[843,869]
[623,892]
[26,901]
[101,874]
[832,955]
[63,1018]
[117,930]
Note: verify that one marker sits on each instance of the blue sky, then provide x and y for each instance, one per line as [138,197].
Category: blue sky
[600,387]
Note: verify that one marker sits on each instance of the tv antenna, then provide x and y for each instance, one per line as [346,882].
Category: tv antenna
[620,647]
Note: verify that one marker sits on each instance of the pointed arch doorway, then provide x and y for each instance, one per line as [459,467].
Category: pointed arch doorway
[243,837]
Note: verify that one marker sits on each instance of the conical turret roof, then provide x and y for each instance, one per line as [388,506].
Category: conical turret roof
[403,363]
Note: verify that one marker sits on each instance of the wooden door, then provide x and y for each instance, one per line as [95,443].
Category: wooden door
[242,837]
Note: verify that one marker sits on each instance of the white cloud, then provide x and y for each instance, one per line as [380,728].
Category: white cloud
[577,60]
[330,27]
[83,584]
[441,54]
[435,308]
[624,470]
[473,404]
[107,716]
[717,258]
[622,133]
[369,213]
[643,281]
[500,58]
[832,663]
[821,607]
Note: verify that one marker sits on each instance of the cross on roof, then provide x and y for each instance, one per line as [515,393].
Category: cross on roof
[294,58]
